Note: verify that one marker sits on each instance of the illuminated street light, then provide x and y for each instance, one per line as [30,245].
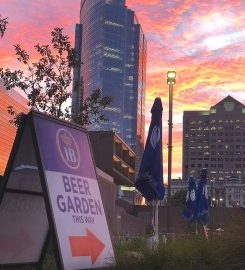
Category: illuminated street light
[171,75]
[213,192]
[220,201]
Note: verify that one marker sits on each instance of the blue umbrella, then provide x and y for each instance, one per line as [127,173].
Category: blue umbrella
[202,198]
[150,178]
[190,208]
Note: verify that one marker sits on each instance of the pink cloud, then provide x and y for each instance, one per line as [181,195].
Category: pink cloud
[202,40]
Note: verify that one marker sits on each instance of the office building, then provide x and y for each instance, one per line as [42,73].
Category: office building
[228,192]
[178,185]
[113,156]
[234,191]
[112,49]
[7,130]
[215,139]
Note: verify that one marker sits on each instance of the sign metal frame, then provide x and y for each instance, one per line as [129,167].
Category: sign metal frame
[52,233]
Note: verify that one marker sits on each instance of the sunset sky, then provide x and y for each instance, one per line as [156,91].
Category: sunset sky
[202,40]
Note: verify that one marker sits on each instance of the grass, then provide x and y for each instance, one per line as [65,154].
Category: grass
[183,254]
[188,253]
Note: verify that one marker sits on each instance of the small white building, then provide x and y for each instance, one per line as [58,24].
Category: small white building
[229,192]
[235,195]
[178,185]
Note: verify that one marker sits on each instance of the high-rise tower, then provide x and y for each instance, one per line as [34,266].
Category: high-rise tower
[113,52]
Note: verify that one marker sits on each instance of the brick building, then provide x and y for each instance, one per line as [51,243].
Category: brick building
[7,130]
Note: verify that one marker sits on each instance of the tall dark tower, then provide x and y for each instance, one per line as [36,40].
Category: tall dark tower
[113,51]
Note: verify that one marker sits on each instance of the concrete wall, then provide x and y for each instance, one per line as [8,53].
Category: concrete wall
[123,217]
[119,220]
[102,147]
[108,194]
[126,222]
[229,219]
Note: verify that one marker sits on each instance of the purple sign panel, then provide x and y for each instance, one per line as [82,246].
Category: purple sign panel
[64,149]
[68,148]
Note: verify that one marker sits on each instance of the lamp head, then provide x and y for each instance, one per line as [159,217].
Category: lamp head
[171,75]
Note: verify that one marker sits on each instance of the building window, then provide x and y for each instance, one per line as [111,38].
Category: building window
[114,24]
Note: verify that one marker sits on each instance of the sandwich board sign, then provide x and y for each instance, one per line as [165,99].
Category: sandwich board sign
[51,186]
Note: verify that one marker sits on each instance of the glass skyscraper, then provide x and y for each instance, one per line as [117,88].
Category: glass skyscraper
[113,52]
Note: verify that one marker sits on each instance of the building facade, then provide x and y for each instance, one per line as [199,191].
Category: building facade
[113,156]
[7,130]
[178,185]
[234,193]
[215,139]
[112,49]
[229,192]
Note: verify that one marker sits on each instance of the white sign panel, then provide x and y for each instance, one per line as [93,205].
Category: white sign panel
[80,221]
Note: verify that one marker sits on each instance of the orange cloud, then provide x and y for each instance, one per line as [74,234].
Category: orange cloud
[204,41]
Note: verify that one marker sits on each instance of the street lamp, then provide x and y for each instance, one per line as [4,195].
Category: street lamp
[171,75]
[212,193]
[220,202]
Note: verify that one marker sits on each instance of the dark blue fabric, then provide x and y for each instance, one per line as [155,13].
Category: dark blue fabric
[150,178]
[202,198]
[190,208]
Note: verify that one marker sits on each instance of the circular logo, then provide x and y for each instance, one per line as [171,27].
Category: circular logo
[68,148]
[155,137]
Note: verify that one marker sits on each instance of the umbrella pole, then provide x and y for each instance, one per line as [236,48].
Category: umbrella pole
[153,216]
[156,221]
[205,229]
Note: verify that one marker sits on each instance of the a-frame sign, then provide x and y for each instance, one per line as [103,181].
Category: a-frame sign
[51,186]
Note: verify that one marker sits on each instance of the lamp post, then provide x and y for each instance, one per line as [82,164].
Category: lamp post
[170,81]
[220,202]
[171,75]
[212,193]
